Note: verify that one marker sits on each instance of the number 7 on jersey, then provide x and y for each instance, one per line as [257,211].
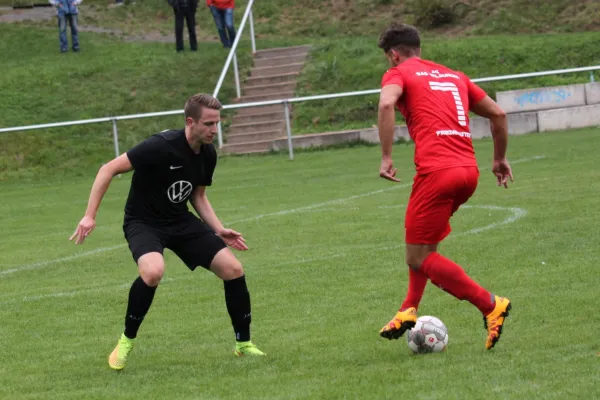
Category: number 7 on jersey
[451,87]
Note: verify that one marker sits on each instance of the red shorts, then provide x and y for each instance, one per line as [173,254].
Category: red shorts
[435,197]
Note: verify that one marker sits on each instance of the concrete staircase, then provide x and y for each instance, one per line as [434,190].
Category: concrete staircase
[273,77]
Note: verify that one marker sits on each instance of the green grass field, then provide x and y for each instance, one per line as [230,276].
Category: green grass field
[325,272]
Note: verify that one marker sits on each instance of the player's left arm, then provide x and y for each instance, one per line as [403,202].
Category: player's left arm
[386,121]
[482,105]
[204,209]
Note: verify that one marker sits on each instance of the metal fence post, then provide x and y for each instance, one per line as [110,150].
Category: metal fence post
[288,128]
[592,79]
[236,72]
[220,135]
[116,140]
[116,137]
[252,37]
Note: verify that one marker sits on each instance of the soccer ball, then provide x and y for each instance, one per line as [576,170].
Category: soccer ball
[429,335]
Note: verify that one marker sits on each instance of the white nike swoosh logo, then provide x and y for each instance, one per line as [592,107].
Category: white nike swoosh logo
[172,167]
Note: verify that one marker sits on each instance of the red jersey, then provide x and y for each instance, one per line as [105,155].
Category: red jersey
[435,102]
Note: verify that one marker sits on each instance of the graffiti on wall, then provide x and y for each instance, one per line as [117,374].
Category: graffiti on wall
[548,96]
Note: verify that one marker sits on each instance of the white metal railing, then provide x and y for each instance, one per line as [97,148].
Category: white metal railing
[284,102]
[232,52]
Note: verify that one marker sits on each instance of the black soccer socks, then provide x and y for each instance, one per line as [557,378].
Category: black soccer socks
[237,299]
[140,299]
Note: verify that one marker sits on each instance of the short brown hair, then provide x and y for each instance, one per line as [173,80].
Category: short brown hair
[195,104]
[400,37]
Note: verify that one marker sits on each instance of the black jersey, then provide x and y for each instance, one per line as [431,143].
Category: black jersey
[166,172]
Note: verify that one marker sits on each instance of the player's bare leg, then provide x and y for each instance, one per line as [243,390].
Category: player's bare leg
[237,298]
[151,267]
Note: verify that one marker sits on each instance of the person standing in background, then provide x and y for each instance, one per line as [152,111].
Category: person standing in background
[66,10]
[185,9]
[222,12]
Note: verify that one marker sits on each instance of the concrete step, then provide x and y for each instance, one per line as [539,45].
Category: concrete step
[243,147]
[264,117]
[269,89]
[278,70]
[270,96]
[278,61]
[254,136]
[255,127]
[248,152]
[282,51]
[271,79]
[289,53]
[249,111]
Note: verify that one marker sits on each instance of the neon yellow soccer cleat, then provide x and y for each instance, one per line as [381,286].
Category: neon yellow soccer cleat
[247,349]
[118,357]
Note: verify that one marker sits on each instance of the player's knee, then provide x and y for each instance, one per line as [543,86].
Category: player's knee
[232,270]
[226,266]
[416,254]
[152,275]
[414,267]
[414,261]
[152,270]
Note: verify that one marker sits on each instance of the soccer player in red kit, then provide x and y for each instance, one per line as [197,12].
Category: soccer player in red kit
[435,101]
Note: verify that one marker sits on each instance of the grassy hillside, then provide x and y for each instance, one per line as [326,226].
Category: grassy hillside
[357,64]
[318,18]
[109,77]
[113,76]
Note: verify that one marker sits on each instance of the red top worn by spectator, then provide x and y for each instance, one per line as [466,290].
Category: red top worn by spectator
[222,4]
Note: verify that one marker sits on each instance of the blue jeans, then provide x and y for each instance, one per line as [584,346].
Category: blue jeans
[62,31]
[224,20]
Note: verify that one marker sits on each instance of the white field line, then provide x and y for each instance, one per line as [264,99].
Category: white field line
[310,207]
[517,213]
[522,160]
[59,260]
[518,161]
[318,205]
[314,206]
[164,280]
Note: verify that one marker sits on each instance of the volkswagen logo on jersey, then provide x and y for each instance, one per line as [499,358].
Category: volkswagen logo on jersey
[179,191]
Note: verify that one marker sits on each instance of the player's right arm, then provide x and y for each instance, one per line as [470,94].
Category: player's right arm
[391,91]
[488,108]
[105,175]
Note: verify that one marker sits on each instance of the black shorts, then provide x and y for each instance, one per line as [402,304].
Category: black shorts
[194,242]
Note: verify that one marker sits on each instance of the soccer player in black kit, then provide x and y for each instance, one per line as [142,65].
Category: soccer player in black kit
[170,169]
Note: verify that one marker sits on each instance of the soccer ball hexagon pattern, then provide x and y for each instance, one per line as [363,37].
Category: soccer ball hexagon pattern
[429,335]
